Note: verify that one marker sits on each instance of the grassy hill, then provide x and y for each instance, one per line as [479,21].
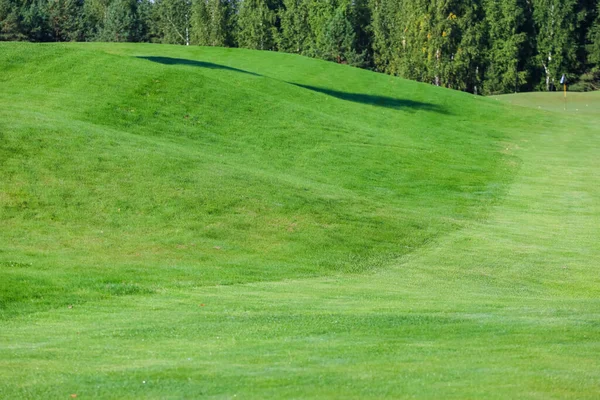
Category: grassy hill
[192,222]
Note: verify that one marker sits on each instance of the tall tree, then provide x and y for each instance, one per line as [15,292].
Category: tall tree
[173,21]
[594,39]
[66,19]
[200,23]
[320,14]
[556,22]
[468,61]
[210,20]
[11,21]
[507,37]
[339,39]
[256,25]
[294,31]
[121,23]
[144,12]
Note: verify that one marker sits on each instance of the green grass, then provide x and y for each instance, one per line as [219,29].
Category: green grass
[191,222]
[575,103]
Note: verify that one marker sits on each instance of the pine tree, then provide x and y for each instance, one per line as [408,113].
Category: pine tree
[414,41]
[339,39]
[468,61]
[256,25]
[218,15]
[360,18]
[507,36]
[11,21]
[556,23]
[380,27]
[319,16]
[294,31]
[144,20]
[594,39]
[200,23]
[121,23]
[95,13]
[173,21]
[65,19]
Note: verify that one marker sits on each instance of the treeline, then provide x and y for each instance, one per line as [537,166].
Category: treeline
[480,46]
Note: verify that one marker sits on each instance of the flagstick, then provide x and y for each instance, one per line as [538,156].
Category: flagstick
[565,97]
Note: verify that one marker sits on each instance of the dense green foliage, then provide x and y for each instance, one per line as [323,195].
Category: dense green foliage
[483,46]
[194,222]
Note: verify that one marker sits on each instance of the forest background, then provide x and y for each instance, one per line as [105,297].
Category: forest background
[482,46]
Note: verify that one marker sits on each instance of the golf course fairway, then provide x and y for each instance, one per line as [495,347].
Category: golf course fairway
[188,222]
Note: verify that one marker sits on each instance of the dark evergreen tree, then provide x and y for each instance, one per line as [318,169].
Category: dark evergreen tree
[340,38]
[256,25]
[413,41]
[200,23]
[388,34]
[173,21]
[506,24]
[145,21]
[11,21]
[210,21]
[294,32]
[320,14]
[481,46]
[556,23]
[468,60]
[594,39]
[65,20]
[36,22]
[121,23]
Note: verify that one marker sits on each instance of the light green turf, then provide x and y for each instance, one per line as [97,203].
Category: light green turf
[575,103]
[209,229]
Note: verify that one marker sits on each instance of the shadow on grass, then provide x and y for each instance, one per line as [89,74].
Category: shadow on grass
[379,101]
[193,63]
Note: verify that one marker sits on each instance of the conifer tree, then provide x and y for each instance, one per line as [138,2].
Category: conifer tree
[320,14]
[468,61]
[94,17]
[173,20]
[416,38]
[144,20]
[256,25]
[339,39]
[594,39]
[65,19]
[200,23]
[210,22]
[294,32]
[35,21]
[11,21]
[556,23]
[360,18]
[507,36]
[121,23]
[382,20]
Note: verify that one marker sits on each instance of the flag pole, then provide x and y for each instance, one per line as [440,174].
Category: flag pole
[563,80]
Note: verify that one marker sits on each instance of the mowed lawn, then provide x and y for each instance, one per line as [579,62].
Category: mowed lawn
[214,223]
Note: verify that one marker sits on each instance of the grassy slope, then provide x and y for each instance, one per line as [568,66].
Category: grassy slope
[482,288]
[223,172]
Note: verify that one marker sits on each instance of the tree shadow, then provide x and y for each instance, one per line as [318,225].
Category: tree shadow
[378,101]
[194,63]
